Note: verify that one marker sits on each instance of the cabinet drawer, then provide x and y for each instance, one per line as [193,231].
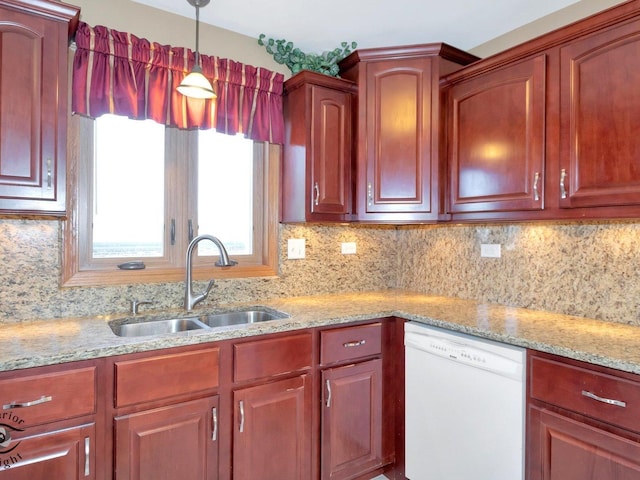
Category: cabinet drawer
[274,356]
[165,376]
[586,391]
[48,397]
[350,343]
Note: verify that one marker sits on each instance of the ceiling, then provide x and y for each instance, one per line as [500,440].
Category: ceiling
[315,26]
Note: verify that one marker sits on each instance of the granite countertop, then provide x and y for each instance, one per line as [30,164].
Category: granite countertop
[47,342]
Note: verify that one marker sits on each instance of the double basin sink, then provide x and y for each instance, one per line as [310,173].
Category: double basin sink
[134,327]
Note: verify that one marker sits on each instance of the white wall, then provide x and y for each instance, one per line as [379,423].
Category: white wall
[570,14]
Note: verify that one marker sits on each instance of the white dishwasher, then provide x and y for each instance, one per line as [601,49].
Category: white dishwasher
[465,406]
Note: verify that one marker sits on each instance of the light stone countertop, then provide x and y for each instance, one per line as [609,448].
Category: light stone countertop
[616,345]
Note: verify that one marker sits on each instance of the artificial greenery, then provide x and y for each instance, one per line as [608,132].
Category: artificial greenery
[286,54]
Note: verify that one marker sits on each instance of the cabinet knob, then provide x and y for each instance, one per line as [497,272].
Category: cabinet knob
[563,176]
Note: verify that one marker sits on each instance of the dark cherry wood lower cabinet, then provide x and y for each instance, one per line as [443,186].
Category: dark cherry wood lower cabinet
[583,421]
[168,443]
[351,420]
[563,448]
[67,454]
[272,431]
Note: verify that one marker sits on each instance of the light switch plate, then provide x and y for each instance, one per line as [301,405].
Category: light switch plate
[490,250]
[348,248]
[295,248]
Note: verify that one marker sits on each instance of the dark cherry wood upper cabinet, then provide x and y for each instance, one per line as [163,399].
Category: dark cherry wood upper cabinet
[398,122]
[600,119]
[33,105]
[563,106]
[316,170]
[496,139]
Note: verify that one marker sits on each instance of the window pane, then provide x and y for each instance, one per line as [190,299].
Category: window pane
[128,207]
[225,192]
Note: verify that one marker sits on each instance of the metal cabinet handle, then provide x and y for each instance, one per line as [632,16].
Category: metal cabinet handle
[173,231]
[608,401]
[536,180]
[87,451]
[42,399]
[241,407]
[563,176]
[49,174]
[370,194]
[316,189]
[356,343]
[214,421]
[328,382]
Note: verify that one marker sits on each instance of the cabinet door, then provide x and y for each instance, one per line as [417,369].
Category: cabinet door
[565,449]
[317,155]
[351,420]
[33,93]
[600,119]
[330,181]
[168,443]
[64,454]
[395,165]
[272,431]
[496,139]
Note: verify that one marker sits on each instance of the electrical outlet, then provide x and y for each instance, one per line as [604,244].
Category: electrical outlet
[490,250]
[295,248]
[348,248]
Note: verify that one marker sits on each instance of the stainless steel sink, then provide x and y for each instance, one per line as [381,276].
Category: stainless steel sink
[136,327]
[156,327]
[240,317]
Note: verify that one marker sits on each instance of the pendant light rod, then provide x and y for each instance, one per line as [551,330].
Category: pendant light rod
[195,84]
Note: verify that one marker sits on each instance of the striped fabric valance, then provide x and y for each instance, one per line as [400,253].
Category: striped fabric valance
[119,73]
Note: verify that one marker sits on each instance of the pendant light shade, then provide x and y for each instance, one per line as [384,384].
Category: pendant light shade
[195,84]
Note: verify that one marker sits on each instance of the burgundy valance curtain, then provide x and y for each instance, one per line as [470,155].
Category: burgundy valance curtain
[119,73]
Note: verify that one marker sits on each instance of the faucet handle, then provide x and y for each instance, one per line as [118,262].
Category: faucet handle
[209,287]
[135,305]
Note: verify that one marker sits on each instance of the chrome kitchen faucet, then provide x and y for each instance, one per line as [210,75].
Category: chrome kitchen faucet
[190,298]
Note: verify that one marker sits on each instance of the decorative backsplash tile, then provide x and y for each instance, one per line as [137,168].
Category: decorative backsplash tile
[30,274]
[589,270]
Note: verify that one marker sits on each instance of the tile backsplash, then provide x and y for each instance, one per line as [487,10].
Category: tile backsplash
[590,270]
[30,274]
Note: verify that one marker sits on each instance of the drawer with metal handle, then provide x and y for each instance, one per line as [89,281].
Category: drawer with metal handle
[48,396]
[607,397]
[350,343]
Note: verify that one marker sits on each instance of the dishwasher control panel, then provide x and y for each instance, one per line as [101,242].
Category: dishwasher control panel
[501,359]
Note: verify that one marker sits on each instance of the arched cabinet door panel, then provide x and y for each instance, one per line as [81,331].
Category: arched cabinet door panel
[600,119]
[33,106]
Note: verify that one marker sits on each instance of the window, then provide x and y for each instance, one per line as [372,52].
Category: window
[141,192]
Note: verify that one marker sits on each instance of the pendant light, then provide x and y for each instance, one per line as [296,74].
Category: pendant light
[195,84]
